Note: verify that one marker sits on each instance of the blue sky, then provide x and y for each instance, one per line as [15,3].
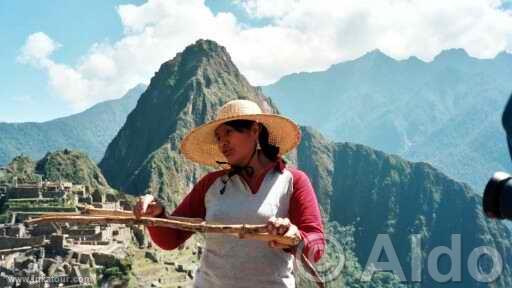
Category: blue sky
[25,95]
[259,34]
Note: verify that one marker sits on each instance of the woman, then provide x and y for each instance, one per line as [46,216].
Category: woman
[257,188]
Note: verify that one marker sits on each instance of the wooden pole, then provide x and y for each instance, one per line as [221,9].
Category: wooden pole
[93,211]
[243,231]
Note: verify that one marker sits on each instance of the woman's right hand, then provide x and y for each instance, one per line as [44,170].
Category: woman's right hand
[147,206]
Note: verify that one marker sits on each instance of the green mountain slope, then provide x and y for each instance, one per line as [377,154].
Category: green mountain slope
[72,166]
[379,193]
[89,131]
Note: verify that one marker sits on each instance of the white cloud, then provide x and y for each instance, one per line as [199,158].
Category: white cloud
[303,35]
[66,81]
[37,48]
[270,9]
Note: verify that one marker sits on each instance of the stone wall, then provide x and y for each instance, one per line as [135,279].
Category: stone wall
[24,192]
[42,229]
[107,205]
[7,242]
[105,259]
[12,230]
[53,194]
[81,231]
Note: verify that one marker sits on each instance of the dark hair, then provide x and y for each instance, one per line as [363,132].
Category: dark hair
[270,151]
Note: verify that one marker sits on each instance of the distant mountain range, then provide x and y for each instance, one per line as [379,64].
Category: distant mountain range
[89,131]
[445,112]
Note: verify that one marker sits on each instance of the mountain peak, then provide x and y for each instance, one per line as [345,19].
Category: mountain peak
[204,48]
[377,54]
[504,55]
[206,45]
[452,54]
[74,166]
[375,57]
[184,93]
[414,59]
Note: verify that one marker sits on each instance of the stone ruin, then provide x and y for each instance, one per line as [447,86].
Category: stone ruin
[49,255]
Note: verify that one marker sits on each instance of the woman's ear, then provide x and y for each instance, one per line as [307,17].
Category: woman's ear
[256,129]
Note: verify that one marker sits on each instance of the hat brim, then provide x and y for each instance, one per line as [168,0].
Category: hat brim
[200,145]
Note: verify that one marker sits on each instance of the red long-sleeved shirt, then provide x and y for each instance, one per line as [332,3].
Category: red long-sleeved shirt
[303,211]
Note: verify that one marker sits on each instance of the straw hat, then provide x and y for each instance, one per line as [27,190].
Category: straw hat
[200,145]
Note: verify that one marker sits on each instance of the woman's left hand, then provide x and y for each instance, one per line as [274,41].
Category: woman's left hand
[281,226]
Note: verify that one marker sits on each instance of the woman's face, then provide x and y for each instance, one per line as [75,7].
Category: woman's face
[236,146]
